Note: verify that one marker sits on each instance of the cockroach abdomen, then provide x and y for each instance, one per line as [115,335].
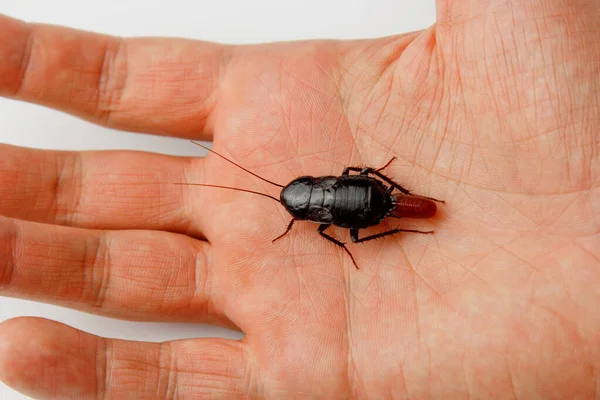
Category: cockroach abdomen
[413,207]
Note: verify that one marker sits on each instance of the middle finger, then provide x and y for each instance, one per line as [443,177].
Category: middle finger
[99,190]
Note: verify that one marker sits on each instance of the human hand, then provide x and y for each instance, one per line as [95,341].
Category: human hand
[494,109]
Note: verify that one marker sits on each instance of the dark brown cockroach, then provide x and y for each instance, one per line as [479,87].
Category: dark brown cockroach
[348,201]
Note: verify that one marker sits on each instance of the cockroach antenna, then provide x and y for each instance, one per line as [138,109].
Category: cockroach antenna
[226,187]
[237,165]
[229,187]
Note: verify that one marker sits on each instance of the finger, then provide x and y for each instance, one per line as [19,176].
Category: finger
[142,275]
[43,359]
[100,190]
[162,86]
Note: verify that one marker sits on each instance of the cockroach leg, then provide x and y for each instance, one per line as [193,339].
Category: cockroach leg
[287,230]
[386,164]
[321,231]
[356,239]
[361,169]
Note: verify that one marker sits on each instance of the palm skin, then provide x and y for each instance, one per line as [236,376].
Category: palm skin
[494,110]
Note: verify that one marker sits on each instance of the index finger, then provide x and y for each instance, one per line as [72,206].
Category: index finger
[151,85]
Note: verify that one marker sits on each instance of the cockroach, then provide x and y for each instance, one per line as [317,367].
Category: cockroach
[349,201]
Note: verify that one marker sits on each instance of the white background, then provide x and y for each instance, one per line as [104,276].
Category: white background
[229,21]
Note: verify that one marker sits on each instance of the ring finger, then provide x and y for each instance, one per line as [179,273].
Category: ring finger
[149,275]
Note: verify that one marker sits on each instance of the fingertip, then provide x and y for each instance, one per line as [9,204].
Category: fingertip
[16,367]
[33,355]
[26,332]
[16,333]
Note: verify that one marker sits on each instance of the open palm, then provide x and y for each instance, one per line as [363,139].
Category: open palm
[494,109]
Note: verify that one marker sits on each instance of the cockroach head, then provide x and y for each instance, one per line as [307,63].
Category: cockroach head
[295,197]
